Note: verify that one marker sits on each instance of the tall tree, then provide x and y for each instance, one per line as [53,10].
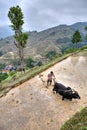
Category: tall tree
[76,37]
[16,17]
[86,34]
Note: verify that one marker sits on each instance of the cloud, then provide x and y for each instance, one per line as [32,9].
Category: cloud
[43,14]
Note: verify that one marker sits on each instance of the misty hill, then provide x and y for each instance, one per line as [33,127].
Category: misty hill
[80,26]
[40,43]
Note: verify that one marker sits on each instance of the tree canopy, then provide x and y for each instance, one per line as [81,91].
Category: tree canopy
[86,34]
[76,37]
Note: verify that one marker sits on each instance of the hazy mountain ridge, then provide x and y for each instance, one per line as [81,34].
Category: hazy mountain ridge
[80,26]
[40,43]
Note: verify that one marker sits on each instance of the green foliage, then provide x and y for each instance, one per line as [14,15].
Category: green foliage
[29,62]
[86,28]
[12,73]
[84,47]
[86,36]
[2,66]
[51,54]
[77,122]
[22,39]
[39,63]
[1,53]
[16,17]
[3,76]
[70,50]
[84,128]
[76,37]
[15,62]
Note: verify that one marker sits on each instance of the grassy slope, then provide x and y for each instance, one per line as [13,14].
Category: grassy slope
[77,122]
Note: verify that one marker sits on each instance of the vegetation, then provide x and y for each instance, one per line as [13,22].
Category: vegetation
[76,37]
[3,76]
[15,62]
[86,34]
[86,28]
[2,66]
[29,62]
[77,122]
[16,17]
[39,63]
[70,50]
[59,40]
[1,53]
[63,40]
[51,54]
[83,48]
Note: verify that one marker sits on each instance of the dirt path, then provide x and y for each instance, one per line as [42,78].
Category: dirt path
[32,106]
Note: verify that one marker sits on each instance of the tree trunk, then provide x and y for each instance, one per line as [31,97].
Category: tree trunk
[21,55]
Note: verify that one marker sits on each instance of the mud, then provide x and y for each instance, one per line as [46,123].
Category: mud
[32,106]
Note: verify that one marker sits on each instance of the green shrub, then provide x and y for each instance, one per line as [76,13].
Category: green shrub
[3,76]
[12,73]
[29,62]
[2,66]
[84,128]
[84,47]
[1,53]
[51,54]
[15,62]
[39,63]
[70,50]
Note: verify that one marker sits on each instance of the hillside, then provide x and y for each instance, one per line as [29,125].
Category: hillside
[40,43]
[32,106]
[77,122]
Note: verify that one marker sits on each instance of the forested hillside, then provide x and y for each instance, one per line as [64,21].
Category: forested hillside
[40,44]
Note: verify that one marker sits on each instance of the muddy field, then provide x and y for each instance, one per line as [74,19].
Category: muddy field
[32,106]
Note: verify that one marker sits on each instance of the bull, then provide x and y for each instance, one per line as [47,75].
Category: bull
[65,92]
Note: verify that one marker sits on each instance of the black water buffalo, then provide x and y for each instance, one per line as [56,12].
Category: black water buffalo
[70,95]
[65,92]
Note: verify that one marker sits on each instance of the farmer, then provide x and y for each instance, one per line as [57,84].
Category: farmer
[50,76]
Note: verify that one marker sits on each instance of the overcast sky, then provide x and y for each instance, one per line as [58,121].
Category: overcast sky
[42,14]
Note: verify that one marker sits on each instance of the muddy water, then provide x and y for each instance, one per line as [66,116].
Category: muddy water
[32,106]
